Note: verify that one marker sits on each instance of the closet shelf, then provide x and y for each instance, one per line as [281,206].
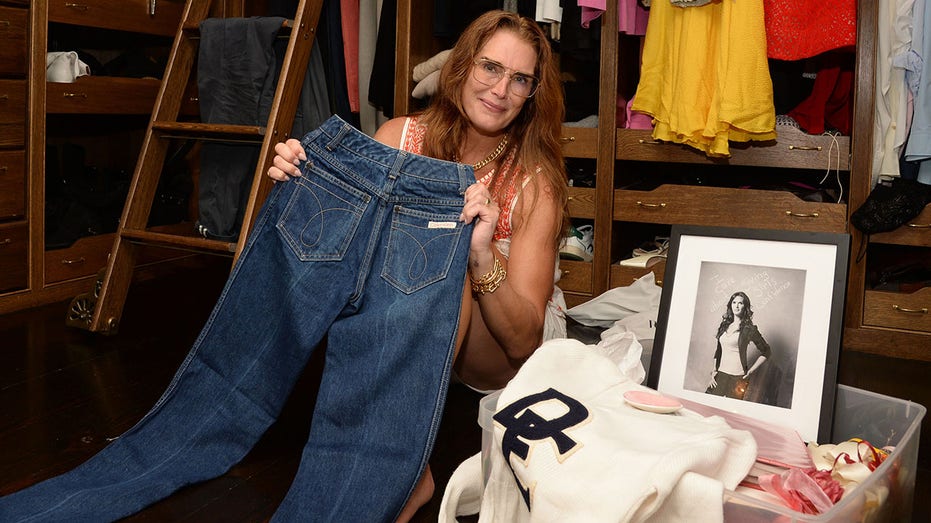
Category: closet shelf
[582,202]
[712,206]
[789,150]
[911,312]
[102,95]
[134,16]
[579,142]
[916,232]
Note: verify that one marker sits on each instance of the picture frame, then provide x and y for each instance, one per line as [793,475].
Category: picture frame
[795,283]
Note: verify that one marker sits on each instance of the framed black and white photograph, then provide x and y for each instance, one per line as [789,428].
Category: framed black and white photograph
[750,322]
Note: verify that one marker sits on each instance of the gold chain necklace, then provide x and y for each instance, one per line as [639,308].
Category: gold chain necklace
[493,156]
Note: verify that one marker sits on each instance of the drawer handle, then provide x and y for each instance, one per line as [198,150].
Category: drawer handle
[652,205]
[923,310]
[920,225]
[74,95]
[650,142]
[4,169]
[658,282]
[6,241]
[4,23]
[4,97]
[79,7]
[151,7]
[804,147]
[564,272]
[73,262]
[567,139]
[803,214]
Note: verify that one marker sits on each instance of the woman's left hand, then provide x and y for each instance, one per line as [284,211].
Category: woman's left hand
[482,209]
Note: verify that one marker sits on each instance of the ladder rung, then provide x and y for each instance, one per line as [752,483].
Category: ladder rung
[208,131]
[193,26]
[177,241]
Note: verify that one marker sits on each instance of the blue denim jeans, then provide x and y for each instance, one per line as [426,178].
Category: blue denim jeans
[366,247]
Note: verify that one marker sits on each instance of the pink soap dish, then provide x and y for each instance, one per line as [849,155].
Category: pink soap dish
[651,402]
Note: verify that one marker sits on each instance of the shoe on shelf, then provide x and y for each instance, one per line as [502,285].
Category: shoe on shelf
[891,205]
[578,244]
[648,254]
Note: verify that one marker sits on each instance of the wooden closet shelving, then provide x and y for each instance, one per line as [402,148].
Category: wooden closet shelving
[103,114]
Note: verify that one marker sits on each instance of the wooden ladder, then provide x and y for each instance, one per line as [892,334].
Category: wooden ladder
[99,310]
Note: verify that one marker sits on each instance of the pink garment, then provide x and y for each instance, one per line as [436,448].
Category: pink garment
[631,16]
[349,19]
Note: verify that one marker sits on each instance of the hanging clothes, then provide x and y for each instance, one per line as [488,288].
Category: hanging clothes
[349,19]
[893,39]
[705,77]
[829,106]
[797,29]
[236,78]
[381,81]
[918,148]
[631,16]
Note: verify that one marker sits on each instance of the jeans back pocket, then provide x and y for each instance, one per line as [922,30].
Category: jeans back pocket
[321,216]
[421,248]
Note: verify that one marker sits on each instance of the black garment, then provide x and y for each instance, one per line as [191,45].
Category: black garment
[236,77]
[450,17]
[381,82]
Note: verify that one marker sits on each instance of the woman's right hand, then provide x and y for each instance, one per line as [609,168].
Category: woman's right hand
[288,156]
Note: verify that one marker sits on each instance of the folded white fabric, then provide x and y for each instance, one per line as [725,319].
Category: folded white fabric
[567,448]
[64,66]
[426,87]
[434,63]
[602,311]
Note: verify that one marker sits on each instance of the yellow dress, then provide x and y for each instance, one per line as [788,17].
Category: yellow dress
[705,77]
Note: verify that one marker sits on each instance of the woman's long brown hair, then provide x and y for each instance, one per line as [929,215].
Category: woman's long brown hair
[536,130]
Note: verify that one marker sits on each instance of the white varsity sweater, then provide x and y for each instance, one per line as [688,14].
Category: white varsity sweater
[567,448]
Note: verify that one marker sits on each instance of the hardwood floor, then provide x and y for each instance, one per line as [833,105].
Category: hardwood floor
[64,391]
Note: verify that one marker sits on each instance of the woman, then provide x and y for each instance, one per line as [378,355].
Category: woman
[498,107]
[731,375]
[379,399]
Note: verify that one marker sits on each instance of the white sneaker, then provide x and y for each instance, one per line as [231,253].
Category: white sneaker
[578,244]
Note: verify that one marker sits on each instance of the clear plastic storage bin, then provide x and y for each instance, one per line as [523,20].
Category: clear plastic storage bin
[887,495]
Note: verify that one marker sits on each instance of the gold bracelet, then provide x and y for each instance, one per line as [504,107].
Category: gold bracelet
[490,281]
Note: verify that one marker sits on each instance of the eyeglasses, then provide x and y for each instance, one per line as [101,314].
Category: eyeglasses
[489,72]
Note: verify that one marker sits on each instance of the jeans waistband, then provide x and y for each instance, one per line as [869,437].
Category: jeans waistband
[347,149]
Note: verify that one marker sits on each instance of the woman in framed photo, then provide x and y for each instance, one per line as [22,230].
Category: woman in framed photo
[731,375]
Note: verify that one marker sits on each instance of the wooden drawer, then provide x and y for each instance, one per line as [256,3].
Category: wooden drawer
[84,258]
[88,255]
[14,262]
[576,276]
[795,150]
[579,142]
[623,276]
[13,23]
[102,95]
[916,232]
[582,202]
[751,208]
[897,310]
[12,113]
[133,16]
[12,184]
